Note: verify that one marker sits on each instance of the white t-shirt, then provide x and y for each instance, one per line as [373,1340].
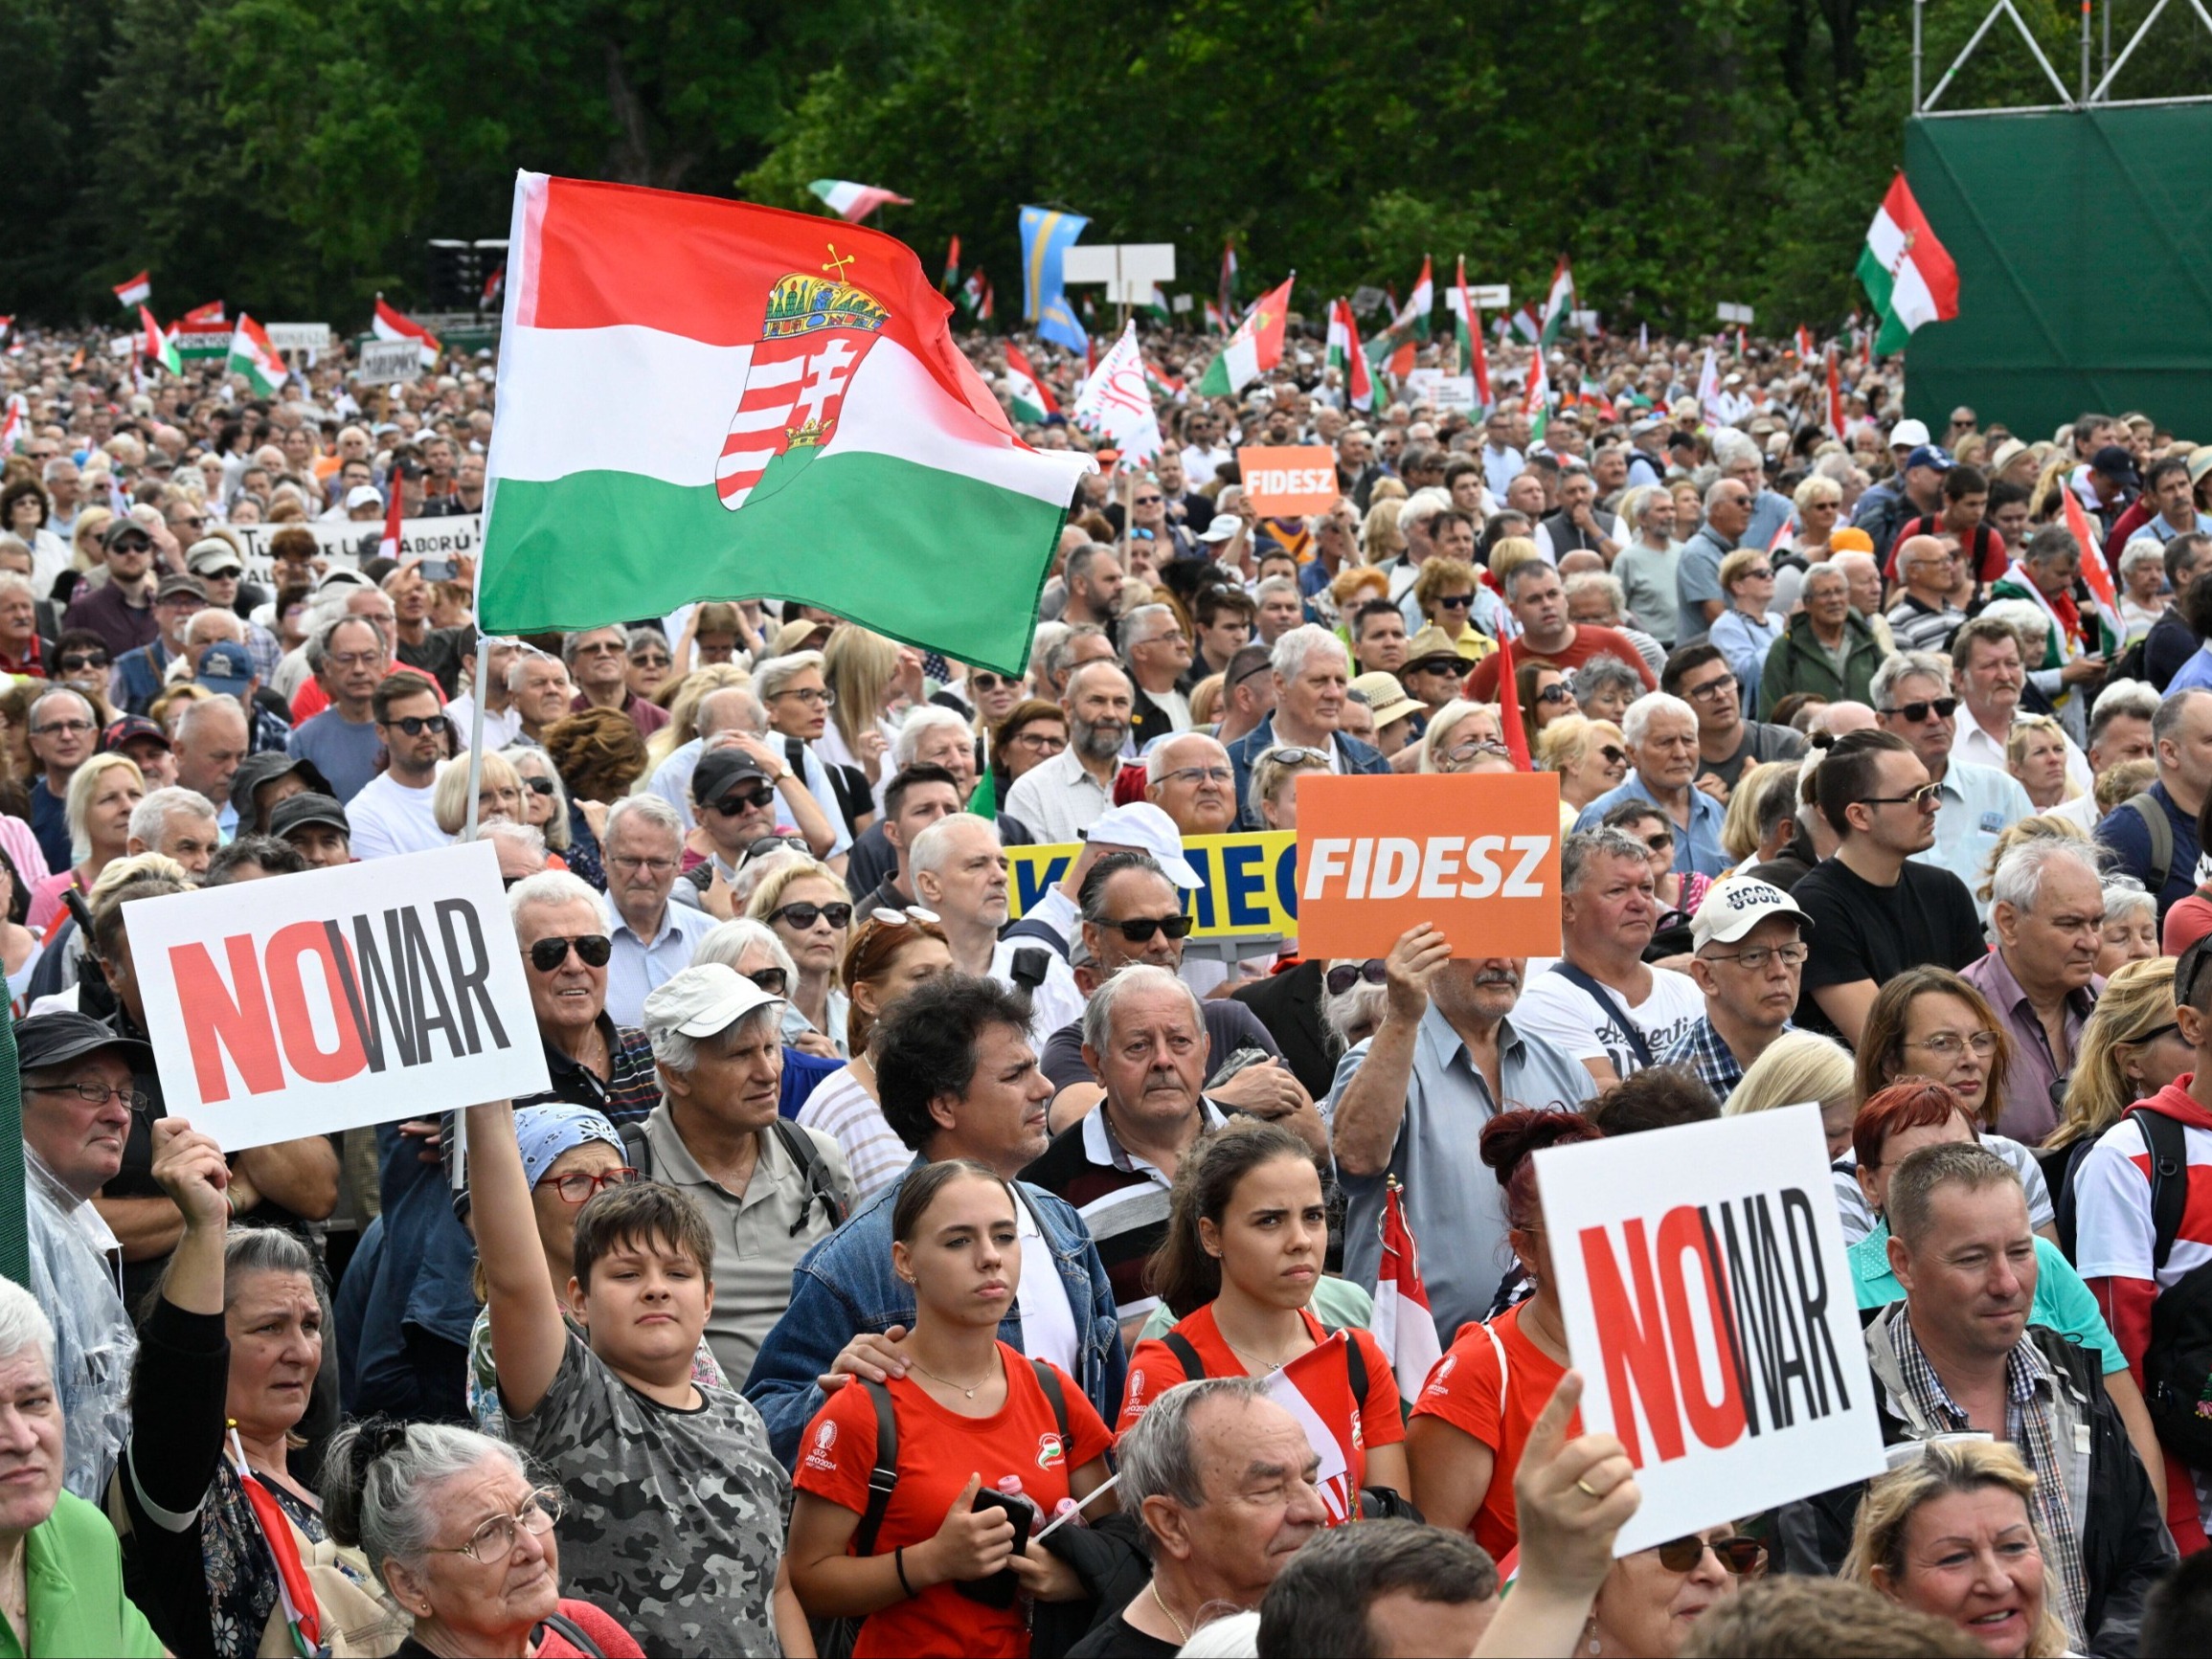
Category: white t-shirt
[1553,1006]
[389,819]
[1047,1322]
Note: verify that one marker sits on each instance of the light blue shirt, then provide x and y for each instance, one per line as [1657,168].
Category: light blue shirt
[1450,1197]
[1769,514]
[1501,467]
[2194,675]
[1744,643]
[638,966]
[2159,527]
[1698,579]
[1697,850]
[1979,803]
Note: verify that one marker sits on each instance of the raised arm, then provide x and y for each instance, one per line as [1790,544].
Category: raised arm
[1364,1129]
[527,1335]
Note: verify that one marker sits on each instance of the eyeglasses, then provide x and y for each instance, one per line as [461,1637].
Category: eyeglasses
[579,1187]
[1741,1555]
[1293,755]
[1757,573]
[67,727]
[1456,601]
[651,659]
[1465,752]
[767,845]
[592,950]
[415,725]
[1042,742]
[1943,707]
[93,1094]
[76,661]
[812,698]
[494,1541]
[1451,665]
[600,648]
[803,916]
[1712,690]
[1138,929]
[1927,797]
[1199,774]
[355,658]
[986,682]
[1661,842]
[1345,974]
[736,804]
[1755,959]
[1950,1045]
[651,867]
[772,980]
[1149,501]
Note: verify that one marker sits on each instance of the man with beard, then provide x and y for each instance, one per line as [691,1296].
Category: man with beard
[1061,798]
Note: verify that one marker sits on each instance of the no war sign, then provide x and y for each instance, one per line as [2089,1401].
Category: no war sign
[1708,1306]
[1249,890]
[334,998]
[1474,857]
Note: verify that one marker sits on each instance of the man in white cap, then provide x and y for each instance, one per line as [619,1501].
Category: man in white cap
[1749,939]
[768,1188]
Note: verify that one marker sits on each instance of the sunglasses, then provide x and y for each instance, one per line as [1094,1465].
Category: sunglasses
[538,785]
[592,950]
[415,725]
[734,803]
[803,916]
[1741,1555]
[984,681]
[1457,602]
[1556,692]
[1292,755]
[770,979]
[76,661]
[1916,713]
[911,916]
[1138,929]
[1345,974]
[1612,754]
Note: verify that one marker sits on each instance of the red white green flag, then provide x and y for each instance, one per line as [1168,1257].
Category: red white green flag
[155,346]
[856,202]
[690,388]
[1346,357]
[1559,303]
[386,323]
[1906,272]
[951,275]
[254,357]
[211,312]
[972,291]
[1539,401]
[1254,348]
[136,291]
[1473,360]
[1031,398]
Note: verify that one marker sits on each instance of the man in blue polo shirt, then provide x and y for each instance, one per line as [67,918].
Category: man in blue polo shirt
[1662,747]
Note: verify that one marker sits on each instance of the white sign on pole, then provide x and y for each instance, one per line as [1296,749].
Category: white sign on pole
[1585,321]
[338,998]
[1434,387]
[1734,313]
[1367,298]
[124,345]
[300,336]
[1181,303]
[344,543]
[1490,296]
[1708,1306]
[385,362]
[1130,270]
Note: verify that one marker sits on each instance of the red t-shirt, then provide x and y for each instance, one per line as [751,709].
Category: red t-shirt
[1589,640]
[1154,1369]
[937,1450]
[1463,1391]
[611,1638]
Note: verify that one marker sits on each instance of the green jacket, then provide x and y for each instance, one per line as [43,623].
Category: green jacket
[73,1568]
[1797,663]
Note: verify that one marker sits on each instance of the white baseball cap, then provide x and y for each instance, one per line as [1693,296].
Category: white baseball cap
[1909,435]
[1143,827]
[1734,908]
[705,999]
[363,495]
[1221,528]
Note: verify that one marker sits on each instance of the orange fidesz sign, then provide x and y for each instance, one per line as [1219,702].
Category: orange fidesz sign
[1284,481]
[1476,857]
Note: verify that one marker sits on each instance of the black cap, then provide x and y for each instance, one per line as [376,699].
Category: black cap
[298,811]
[256,769]
[719,768]
[62,1034]
[2117,464]
[125,527]
[130,726]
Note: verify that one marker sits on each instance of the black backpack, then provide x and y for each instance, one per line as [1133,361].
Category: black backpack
[2177,1364]
[638,1154]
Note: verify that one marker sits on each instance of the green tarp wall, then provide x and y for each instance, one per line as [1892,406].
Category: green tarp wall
[2084,245]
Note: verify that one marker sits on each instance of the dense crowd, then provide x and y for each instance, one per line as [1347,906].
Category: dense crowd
[881,1274]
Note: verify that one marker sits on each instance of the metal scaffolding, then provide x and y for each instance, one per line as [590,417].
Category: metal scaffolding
[2091,93]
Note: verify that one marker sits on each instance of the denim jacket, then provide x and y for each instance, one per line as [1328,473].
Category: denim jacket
[845,1285]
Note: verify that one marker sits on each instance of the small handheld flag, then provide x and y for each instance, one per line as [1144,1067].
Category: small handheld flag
[388,323]
[952,274]
[137,291]
[853,202]
[1402,1321]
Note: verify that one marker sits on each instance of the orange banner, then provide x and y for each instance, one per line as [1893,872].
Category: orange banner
[1288,481]
[1476,857]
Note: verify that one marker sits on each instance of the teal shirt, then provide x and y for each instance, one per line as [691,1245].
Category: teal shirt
[73,1569]
[2062,1302]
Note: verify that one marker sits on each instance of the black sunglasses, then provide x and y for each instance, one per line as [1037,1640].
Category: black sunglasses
[1944,707]
[770,979]
[1345,974]
[1456,601]
[76,661]
[805,916]
[733,804]
[415,725]
[538,785]
[1137,930]
[1741,1555]
[591,949]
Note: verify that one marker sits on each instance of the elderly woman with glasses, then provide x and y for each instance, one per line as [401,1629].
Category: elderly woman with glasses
[1591,757]
[1604,686]
[1273,792]
[1460,734]
[806,904]
[1445,592]
[461,1537]
[648,662]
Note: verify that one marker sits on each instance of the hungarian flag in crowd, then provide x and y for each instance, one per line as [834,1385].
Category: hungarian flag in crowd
[988,306]
[1526,325]
[1804,343]
[135,292]
[1115,404]
[494,285]
[12,423]
[1401,1321]
[153,343]
[1346,357]
[211,312]
[254,357]
[691,387]
[1317,1389]
[2095,571]
[1227,279]
[1472,359]
[1835,397]
[856,202]
[1559,303]
[1031,398]
[1905,271]
[1162,383]
[1420,305]
[1254,348]
[1538,400]
[1709,389]
[972,291]
[951,275]
[389,324]
[1216,318]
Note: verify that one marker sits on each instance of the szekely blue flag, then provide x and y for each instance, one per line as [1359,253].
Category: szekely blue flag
[1047,234]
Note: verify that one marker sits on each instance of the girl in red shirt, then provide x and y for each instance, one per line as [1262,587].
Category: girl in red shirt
[1488,1390]
[1246,1232]
[973,1416]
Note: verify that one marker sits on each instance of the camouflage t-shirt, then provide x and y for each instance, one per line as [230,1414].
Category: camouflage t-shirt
[676,1518]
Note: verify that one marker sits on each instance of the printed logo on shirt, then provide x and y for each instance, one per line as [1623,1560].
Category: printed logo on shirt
[1136,1391]
[1358,1436]
[1050,1453]
[822,1455]
[1991,823]
[1438,1376]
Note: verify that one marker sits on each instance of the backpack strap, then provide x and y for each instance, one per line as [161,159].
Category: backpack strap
[637,1150]
[799,1145]
[574,1634]
[2145,806]
[1185,1355]
[2168,1142]
[1356,1370]
[884,1476]
[1049,1380]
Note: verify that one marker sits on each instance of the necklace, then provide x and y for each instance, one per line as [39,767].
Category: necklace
[964,1389]
[1181,1631]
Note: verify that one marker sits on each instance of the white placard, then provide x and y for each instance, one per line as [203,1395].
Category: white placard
[124,345]
[1654,1239]
[385,362]
[300,336]
[1585,321]
[1490,296]
[1181,303]
[1733,313]
[1130,270]
[345,542]
[325,1000]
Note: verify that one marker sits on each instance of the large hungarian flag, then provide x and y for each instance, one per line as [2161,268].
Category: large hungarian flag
[1559,303]
[254,357]
[156,345]
[1906,270]
[856,202]
[386,323]
[1402,1321]
[1254,348]
[136,291]
[700,399]
[1032,398]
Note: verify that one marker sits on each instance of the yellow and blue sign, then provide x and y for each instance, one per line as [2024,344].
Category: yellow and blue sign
[1249,883]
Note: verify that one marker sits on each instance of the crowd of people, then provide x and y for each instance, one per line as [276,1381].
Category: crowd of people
[885,1273]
